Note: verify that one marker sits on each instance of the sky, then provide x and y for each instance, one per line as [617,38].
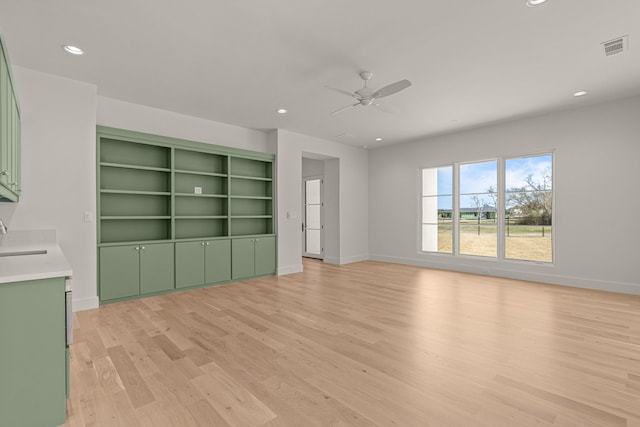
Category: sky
[476,178]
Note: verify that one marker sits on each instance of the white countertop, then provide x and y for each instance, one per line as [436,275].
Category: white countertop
[32,267]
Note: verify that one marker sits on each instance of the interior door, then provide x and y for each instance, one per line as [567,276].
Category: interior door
[312,226]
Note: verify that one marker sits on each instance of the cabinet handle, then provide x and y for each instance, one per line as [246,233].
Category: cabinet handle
[143,248]
[207,243]
[137,248]
[202,243]
[4,173]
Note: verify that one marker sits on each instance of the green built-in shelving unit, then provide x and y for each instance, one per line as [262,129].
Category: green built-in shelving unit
[10,130]
[201,199]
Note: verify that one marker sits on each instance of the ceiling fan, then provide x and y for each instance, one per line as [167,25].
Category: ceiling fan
[367,96]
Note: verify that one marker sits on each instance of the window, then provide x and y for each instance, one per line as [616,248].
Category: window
[528,210]
[437,210]
[477,213]
[497,208]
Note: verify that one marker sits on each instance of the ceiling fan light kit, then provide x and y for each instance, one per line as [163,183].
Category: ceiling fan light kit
[367,96]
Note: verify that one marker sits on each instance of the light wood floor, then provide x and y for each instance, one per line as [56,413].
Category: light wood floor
[366,344]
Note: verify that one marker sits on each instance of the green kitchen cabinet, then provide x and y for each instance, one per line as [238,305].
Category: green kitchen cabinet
[217,261]
[9,132]
[33,352]
[189,264]
[156,268]
[202,262]
[131,270]
[253,257]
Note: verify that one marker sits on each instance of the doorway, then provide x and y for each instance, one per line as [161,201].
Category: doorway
[312,219]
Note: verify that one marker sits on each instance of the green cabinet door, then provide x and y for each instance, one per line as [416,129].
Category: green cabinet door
[189,264]
[217,261]
[265,255]
[32,353]
[242,258]
[119,272]
[156,267]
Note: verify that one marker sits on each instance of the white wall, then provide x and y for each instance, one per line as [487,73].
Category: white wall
[597,150]
[58,171]
[312,167]
[140,118]
[347,228]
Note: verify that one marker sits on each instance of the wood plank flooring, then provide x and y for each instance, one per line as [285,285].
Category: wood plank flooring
[365,344]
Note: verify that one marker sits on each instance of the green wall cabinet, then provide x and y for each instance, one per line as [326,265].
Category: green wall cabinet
[9,132]
[132,270]
[205,262]
[198,197]
[33,353]
[253,257]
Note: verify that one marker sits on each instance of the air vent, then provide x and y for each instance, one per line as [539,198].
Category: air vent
[613,47]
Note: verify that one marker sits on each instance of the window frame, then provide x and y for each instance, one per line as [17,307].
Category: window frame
[501,162]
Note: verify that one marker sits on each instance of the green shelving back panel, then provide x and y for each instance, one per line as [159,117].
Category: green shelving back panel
[250,187]
[251,226]
[195,228]
[199,206]
[251,207]
[250,167]
[129,153]
[185,183]
[132,230]
[200,162]
[114,178]
[134,204]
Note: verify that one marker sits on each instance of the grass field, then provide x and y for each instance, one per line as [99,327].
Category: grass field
[524,241]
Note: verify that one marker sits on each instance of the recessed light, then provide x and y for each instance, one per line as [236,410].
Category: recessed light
[581,93]
[281,111]
[378,139]
[74,50]
[534,3]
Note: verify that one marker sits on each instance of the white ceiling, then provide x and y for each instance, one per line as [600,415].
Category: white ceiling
[471,62]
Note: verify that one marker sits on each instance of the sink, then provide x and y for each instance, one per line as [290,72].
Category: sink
[21,253]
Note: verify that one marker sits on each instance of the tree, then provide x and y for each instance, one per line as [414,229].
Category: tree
[532,202]
[493,195]
[479,205]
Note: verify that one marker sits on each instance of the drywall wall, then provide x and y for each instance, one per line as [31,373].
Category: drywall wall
[140,118]
[596,154]
[58,171]
[312,167]
[346,215]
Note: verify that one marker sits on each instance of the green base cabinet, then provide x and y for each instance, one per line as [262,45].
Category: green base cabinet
[131,270]
[206,262]
[32,353]
[253,257]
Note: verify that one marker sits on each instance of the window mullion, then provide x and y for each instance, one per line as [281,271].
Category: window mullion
[456,209]
[500,208]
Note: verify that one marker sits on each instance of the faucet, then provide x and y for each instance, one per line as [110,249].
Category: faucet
[3,228]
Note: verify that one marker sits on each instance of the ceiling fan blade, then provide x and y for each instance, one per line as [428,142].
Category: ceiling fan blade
[342,91]
[391,89]
[389,109]
[345,108]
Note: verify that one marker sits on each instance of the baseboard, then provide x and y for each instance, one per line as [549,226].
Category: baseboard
[289,269]
[577,282]
[81,304]
[346,260]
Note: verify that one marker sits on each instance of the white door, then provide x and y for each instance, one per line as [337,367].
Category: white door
[312,225]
